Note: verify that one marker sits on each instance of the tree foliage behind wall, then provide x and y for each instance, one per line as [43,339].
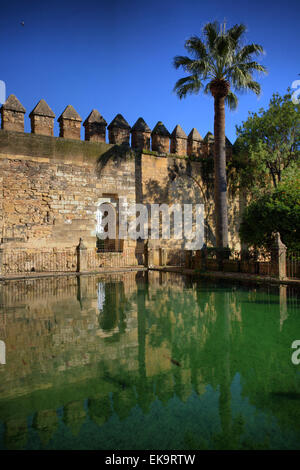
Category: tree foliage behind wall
[275,210]
[266,164]
[268,144]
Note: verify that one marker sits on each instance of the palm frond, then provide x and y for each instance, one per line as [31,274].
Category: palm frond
[231,100]
[211,32]
[182,61]
[253,66]
[247,51]
[187,85]
[206,89]
[236,32]
[222,47]
[219,56]
[195,46]
[254,86]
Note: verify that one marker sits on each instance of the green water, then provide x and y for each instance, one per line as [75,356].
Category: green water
[158,361]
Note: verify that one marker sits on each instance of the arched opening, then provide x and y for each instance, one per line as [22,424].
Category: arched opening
[107,230]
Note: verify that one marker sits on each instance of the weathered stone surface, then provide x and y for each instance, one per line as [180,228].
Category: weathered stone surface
[194,143]
[160,138]
[119,131]
[49,194]
[69,123]
[13,104]
[42,119]
[95,127]
[42,109]
[12,115]
[141,134]
[178,141]
[195,135]
[50,190]
[209,138]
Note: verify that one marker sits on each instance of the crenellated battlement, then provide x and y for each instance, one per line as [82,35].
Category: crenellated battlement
[159,140]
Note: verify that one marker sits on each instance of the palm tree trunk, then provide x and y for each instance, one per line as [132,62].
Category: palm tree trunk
[220,173]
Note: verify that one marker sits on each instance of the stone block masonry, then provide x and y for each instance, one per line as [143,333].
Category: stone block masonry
[51,187]
[49,194]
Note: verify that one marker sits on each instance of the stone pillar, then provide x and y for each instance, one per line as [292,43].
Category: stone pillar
[119,131]
[12,115]
[95,127]
[146,255]
[278,258]
[160,138]
[194,143]
[1,260]
[69,124]
[140,135]
[162,257]
[81,257]
[178,141]
[150,257]
[42,119]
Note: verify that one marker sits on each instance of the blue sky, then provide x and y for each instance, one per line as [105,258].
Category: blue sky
[116,56]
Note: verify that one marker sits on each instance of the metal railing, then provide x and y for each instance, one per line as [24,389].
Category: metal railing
[293,264]
[15,262]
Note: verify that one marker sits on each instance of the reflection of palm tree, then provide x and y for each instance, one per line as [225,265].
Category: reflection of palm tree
[114,307]
[144,389]
[225,378]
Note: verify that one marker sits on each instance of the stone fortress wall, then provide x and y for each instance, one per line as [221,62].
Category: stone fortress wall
[51,187]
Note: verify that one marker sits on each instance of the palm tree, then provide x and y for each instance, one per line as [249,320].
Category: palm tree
[223,63]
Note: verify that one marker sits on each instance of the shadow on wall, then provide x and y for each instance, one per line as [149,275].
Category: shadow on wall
[116,155]
[182,188]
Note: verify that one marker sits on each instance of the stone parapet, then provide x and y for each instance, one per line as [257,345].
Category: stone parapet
[95,127]
[119,131]
[42,119]
[69,123]
[12,115]
[178,141]
[140,135]
[160,138]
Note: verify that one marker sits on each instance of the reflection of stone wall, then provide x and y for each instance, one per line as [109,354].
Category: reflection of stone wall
[70,361]
[55,330]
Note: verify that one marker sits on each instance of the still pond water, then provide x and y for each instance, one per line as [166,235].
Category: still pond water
[147,361]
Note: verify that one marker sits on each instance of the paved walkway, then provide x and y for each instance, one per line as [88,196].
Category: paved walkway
[175,269]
